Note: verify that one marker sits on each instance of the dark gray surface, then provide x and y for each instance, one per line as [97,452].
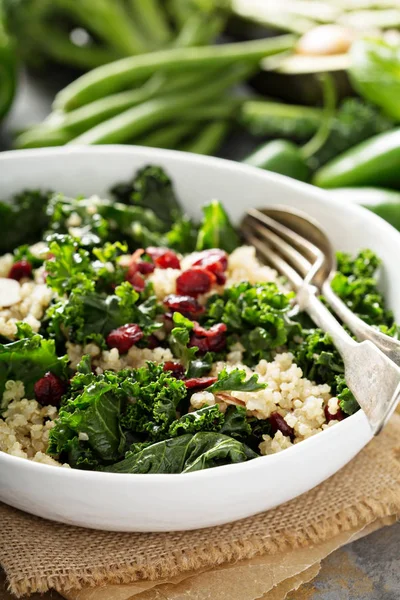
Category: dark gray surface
[368,569]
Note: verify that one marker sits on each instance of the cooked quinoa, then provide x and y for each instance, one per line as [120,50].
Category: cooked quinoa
[127,356]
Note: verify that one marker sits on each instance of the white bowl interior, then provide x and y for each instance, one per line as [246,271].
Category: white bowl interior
[137,502]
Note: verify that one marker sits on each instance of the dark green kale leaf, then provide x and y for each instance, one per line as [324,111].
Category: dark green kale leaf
[184,454]
[102,220]
[347,402]
[182,236]
[236,424]
[95,415]
[23,219]
[28,359]
[216,230]
[153,189]
[208,418]
[256,316]
[356,285]
[235,381]
[258,428]
[89,316]
[318,358]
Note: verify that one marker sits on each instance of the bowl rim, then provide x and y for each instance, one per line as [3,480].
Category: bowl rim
[320,195]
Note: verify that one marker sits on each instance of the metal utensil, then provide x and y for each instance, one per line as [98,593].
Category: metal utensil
[371,375]
[312,242]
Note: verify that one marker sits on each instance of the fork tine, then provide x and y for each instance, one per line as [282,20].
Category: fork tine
[277,234]
[293,237]
[271,257]
[299,262]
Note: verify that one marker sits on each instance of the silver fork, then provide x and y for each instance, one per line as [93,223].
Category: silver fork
[372,377]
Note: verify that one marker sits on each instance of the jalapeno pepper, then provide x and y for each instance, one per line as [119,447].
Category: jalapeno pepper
[281,157]
[375,162]
[8,70]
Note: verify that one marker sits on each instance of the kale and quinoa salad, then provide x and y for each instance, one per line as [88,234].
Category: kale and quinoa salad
[134,340]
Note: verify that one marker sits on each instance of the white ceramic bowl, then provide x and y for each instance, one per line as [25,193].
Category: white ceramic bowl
[125,502]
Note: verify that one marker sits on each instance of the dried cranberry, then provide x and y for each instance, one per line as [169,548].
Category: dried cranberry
[278,423]
[200,383]
[145,267]
[177,369]
[214,260]
[339,416]
[194,281]
[124,337]
[200,342]
[135,279]
[183,304]
[49,389]
[20,269]
[208,340]
[164,258]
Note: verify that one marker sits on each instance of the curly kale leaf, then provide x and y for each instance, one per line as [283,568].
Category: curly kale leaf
[27,360]
[155,396]
[318,358]
[78,217]
[70,265]
[356,285]
[89,316]
[22,219]
[256,316]
[88,427]
[216,230]
[235,380]
[186,453]
[208,418]
[179,338]
[347,402]
[95,221]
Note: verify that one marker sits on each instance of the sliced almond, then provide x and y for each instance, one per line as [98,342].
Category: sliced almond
[10,292]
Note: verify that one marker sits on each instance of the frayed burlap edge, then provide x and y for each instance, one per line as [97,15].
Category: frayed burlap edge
[366,511]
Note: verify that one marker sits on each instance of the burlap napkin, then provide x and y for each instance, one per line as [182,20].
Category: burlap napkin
[38,555]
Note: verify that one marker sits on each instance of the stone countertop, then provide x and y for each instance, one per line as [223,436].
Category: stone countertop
[368,569]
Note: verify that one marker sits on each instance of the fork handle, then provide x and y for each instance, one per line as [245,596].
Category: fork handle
[388,345]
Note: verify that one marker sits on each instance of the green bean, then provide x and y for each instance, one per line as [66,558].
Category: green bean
[168,136]
[209,139]
[39,138]
[135,121]
[123,73]
[110,21]
[153,19]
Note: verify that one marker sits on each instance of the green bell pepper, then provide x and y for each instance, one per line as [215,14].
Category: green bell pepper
[8,69]
[375,162]
[281,157]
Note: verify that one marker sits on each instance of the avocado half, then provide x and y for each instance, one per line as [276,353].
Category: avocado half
[295,78]
[292,78]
